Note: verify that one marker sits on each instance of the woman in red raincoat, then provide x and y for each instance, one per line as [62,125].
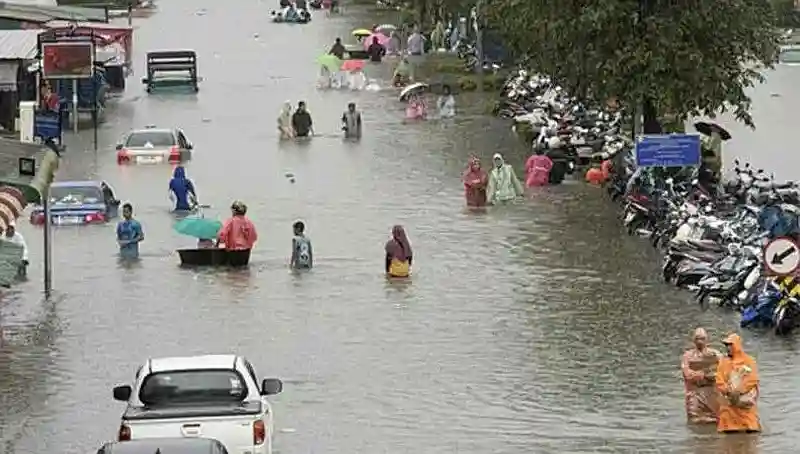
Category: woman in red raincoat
[538,169]
[475,181]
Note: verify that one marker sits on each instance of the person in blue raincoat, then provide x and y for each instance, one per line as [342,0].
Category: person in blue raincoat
[181,190]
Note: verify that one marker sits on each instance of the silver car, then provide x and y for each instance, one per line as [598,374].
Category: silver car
[154,146]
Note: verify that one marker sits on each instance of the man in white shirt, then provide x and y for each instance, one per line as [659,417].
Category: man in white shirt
[15,237]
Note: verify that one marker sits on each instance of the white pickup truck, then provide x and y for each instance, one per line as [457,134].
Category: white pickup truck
[213,396]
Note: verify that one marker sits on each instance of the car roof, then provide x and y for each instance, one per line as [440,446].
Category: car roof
[226,362]
[168,445]
[165,130]
[77,184]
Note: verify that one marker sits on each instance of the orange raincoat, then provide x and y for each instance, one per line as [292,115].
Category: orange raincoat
[737,384]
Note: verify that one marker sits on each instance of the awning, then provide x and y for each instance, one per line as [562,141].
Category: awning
[8,75]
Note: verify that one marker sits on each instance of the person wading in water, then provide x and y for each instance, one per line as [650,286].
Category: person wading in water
[301,121]
[398,254]
[699,366]
[351,122]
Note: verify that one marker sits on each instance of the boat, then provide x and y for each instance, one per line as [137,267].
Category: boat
[356,52]
[215,257]
[174,68]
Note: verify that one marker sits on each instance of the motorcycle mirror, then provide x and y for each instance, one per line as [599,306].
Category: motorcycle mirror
[760,171]
[736,161]
[747,166]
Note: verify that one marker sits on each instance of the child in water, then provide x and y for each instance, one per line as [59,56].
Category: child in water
[302,254]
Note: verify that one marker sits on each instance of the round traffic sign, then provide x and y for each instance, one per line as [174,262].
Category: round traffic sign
[782,256]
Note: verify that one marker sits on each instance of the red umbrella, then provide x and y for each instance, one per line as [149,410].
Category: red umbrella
[383,40]
[353,65]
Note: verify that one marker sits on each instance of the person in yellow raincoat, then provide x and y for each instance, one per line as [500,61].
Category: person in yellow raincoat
[737,384]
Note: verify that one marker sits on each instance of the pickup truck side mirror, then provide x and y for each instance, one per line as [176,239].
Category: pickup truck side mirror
[189,146]
[271,386]
[114,202]
[119,147]
[122,393]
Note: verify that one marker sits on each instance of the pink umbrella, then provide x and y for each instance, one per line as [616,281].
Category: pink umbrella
[353,65]
[383,40]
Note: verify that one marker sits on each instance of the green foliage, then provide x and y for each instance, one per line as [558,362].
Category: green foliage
[786,13]
[692,58]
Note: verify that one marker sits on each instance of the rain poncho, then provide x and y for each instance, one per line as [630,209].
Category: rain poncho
[238,233]
[357,80]
[351,123]
[285,121]
[504,185]
[447,106]
[395,44]
[17,239]
[738,385]
[698,368]
[454,37]
[416,108]
[182,189]
[437,36]
[538,169]
[475,180]
[325,79]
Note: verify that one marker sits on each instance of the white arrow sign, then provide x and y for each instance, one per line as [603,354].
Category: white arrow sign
[782,256]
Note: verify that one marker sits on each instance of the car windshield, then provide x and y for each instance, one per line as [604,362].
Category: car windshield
[181,387]
[790,55]
[148,139]
[75,194]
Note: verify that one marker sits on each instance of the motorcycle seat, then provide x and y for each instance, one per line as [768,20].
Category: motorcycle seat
[706,245]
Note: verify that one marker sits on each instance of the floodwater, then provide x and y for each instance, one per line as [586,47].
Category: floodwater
[537,327]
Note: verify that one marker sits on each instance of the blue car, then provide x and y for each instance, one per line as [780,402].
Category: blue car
[78,203]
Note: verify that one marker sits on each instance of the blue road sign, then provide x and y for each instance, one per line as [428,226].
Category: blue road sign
[47,126]
[668,150]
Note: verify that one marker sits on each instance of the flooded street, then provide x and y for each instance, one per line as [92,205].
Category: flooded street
[538,327]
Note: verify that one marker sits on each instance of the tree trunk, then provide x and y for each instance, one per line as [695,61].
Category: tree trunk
[651,124]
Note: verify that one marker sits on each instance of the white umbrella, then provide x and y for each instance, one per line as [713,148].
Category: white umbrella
[417,87]
[386,28]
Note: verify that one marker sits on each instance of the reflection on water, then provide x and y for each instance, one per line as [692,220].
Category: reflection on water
[537,327]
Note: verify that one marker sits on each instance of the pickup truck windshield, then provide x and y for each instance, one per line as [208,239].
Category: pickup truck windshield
[193,386]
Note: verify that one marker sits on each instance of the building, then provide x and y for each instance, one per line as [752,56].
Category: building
[16,16]
[18,50]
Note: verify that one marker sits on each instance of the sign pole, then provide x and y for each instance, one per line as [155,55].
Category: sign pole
[48,251]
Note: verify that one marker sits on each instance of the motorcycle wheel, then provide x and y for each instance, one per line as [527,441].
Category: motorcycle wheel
[782,325]
[668,272]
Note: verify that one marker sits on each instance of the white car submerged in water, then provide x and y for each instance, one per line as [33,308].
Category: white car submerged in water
[211,396]
[153,145]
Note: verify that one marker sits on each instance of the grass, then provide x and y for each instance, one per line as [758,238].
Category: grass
[440,68]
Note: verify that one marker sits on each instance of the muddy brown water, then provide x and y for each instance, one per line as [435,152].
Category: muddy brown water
[537,327]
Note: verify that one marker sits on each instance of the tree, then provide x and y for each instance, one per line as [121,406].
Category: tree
[682,57]
[787,14]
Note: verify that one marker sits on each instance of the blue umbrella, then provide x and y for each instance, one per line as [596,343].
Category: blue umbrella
[206,229]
